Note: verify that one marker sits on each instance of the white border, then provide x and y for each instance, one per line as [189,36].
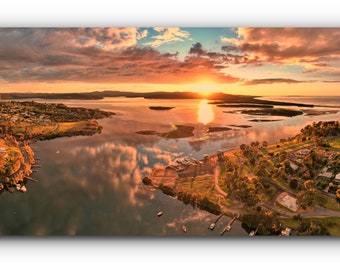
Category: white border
[182,13]
[174,253]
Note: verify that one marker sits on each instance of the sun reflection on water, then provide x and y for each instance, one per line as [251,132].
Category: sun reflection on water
[205,112]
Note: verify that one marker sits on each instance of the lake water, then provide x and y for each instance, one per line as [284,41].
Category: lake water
[93,186]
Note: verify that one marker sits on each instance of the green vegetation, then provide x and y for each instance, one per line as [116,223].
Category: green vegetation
[217,129]
[178,131]
[21,122]
[267,183]
[273,112]
[335,144]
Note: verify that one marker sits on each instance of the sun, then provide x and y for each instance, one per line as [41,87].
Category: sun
[204,89]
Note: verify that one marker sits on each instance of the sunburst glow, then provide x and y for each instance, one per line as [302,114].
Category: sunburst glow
[205,112]
[205,89]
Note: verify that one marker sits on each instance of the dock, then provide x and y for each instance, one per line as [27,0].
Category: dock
[31,179]
[212,225]
[227,228]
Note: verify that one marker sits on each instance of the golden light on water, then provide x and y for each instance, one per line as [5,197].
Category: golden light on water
[205,112]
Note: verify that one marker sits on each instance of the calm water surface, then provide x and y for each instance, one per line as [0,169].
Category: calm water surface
[94,185]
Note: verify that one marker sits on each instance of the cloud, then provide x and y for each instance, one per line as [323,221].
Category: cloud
[271,81]
[287,45]
[334,81]
[197,49]
[167,35]
[142,34]
[99,55]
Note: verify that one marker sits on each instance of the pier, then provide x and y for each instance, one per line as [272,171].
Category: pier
[31,179]
[227,228]
[212,225]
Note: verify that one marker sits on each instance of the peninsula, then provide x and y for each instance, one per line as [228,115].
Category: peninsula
[266,185]
[24,122]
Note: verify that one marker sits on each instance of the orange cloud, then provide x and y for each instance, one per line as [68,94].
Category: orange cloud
[100,55]
[287,45]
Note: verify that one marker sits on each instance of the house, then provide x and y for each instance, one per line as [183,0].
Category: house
[302,152]
[293,165]
[324,174]
[287,201]
[337,177]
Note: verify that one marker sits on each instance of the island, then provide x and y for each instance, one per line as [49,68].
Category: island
[218,129]
[24,122]
[160,108]
[273,112]
[177,132]
[292,185]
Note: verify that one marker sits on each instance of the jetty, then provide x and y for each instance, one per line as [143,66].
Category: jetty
[227,228]
[212,225]
[31,179]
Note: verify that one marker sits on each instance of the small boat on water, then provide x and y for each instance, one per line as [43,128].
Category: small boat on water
[184,229]
[212,226]
[159,213]
[253,233]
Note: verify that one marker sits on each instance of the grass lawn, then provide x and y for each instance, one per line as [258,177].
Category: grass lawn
[204,186]
[288,146]
[327,202]
[335,144]
[72,126]
[34,129]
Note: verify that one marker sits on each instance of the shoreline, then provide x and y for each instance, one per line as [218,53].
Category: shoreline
[249,180]
[29,121]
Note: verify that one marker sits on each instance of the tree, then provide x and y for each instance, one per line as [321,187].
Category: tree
[293,183]
[338,195]
[306,197]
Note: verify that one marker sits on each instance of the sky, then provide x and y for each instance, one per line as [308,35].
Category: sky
[250,61]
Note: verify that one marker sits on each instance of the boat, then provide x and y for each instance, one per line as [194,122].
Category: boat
[184,229]
[228,228]
[159,213]
[253,233]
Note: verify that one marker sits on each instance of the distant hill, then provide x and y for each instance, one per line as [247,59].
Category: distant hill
[216,98]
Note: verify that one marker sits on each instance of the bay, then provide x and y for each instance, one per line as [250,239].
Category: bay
[93,185]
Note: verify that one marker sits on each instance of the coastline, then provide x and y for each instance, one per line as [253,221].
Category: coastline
[48,121]
[209,183]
